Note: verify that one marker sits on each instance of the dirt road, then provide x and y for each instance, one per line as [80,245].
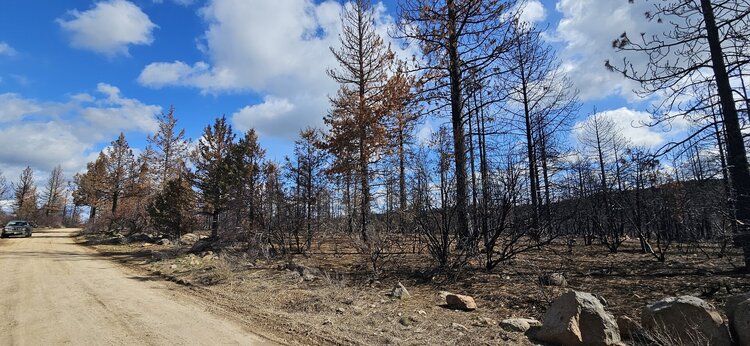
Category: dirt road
[55,292]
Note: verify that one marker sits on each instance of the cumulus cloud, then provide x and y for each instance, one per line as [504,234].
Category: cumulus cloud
[6,49]
[635,127]
[120,113]
[45,134]
[278,50]
[108,28]
[533,11]
[14,107]
[586,30]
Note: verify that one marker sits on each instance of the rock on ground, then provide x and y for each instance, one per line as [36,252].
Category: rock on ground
[400,292]
[201,246]
[738,312]
[578,318]
[189,238]
[519,325]
[691,320]
[460,302]
[139,238]
[553,279]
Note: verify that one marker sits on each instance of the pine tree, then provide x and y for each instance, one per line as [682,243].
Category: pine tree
[213,169]
[307,172]
[25,204]
[246,160]
[168,150]
[54,193]
[462,43]
[121,172]
[356,129]
[89,189]
[172,209]
[399,106]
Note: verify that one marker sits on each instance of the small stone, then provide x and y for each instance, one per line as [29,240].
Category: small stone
[519,325]
[455,325]
[174,266]
[553,279]
[484,322]
[400,292]
[405,321]
[422,312]
[340,310]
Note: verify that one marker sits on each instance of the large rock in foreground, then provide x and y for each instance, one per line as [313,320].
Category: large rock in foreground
[578,318]
[738,312]
[687,320]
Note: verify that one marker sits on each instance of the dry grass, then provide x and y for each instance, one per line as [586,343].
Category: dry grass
[346,305]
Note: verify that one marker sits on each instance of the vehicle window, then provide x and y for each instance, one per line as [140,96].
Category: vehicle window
[16,223]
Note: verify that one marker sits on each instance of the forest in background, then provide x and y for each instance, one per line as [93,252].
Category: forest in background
[498,178]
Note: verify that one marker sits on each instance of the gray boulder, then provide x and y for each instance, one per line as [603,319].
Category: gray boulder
[578,318]
[688,320]
[738,313]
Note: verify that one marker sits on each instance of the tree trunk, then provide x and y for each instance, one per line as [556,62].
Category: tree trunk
[365,184]
[215,224]
[736,155]
[533,174]
[459,152]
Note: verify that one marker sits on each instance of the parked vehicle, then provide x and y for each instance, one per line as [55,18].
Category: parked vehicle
[17,227]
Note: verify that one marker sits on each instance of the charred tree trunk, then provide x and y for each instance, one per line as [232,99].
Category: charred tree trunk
[736,155]
[454,67]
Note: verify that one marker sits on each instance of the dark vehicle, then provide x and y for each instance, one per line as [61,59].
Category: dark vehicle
[17,227]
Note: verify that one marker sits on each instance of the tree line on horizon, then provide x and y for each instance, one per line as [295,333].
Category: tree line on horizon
[497,179]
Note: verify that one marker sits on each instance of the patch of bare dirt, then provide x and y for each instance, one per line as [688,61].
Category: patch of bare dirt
[345,305]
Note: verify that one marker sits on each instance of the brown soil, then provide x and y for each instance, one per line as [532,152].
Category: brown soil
[346,305]
[55,292]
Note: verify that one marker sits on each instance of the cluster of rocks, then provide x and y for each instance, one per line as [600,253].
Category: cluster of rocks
[188,239]
[301,272]
[581,318]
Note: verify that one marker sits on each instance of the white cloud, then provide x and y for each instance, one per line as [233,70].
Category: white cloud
[587,29]
[178,2]
[109,27]
[160,74]
[120,114]
[271,111]
[278,50]
[634,126]
[533,11]
[14,107]
[45,134]
[6,49]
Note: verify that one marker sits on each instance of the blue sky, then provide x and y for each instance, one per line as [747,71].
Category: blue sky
[73,74]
